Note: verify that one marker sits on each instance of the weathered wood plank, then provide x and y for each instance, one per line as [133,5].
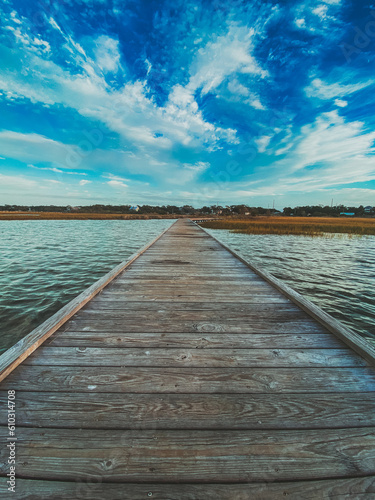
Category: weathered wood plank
[91,487]
[219,358]
[272,325]
[177,456]
[187,279]
[191,380]
[196,340]
[183,297]
[118,301]
[159,312]
[210,288]
[192,411]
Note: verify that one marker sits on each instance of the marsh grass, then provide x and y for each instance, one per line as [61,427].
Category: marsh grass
[312,226]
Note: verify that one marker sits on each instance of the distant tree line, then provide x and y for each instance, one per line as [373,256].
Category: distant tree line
[206,211]
[321,211]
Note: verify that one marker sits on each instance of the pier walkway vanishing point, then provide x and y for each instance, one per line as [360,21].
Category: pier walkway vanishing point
[188,375]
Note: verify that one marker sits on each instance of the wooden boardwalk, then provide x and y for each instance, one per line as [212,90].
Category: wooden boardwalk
[189,376]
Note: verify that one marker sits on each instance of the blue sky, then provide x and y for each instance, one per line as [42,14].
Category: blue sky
[186,102]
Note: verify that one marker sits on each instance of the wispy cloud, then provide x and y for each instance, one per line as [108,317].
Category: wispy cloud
[116,184]
[319,88]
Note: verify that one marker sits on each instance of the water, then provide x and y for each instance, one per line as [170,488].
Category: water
[45,264]
[337,274]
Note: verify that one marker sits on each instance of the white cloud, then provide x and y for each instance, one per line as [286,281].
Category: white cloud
[262,142]
[107,53]
[255,103]
[130,111]
[83,182]
[238,91]
[331,139]
[73,47]
[322,90]
[1,158]
[329,152]
[341,103]
[29,42]
[117,184]
[228,54]
[35,148]
[54,25]
[301,23]
[321,11]
[198,167]
[188,172]
[52,169]
[236,88]
[115,178]
[149,66]
[42,44]
[14,17]
[16,182]
[183,115]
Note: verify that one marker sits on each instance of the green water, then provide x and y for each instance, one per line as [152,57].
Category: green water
[44,264]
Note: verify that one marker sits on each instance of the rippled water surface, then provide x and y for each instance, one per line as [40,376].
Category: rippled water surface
[44,264]
[337,274]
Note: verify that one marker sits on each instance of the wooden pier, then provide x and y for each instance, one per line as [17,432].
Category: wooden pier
[186,374]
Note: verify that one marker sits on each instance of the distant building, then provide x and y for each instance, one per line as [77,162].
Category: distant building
[368,209]
[135,208]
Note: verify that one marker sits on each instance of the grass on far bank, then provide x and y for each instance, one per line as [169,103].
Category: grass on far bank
[304,226]
[77,216]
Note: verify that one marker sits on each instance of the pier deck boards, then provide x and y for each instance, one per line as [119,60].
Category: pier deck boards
[189,377]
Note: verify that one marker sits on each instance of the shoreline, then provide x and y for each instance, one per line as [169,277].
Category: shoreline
[81,216]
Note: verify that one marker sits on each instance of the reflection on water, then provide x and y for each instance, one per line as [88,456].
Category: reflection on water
[44,264]
[337,274]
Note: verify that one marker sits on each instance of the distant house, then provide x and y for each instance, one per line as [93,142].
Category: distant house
[368,209]
[348,214]
[135,208]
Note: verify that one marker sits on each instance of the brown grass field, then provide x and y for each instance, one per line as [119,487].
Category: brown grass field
[305,226]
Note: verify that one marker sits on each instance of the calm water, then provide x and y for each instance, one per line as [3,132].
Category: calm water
[44,264]
[337,274]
